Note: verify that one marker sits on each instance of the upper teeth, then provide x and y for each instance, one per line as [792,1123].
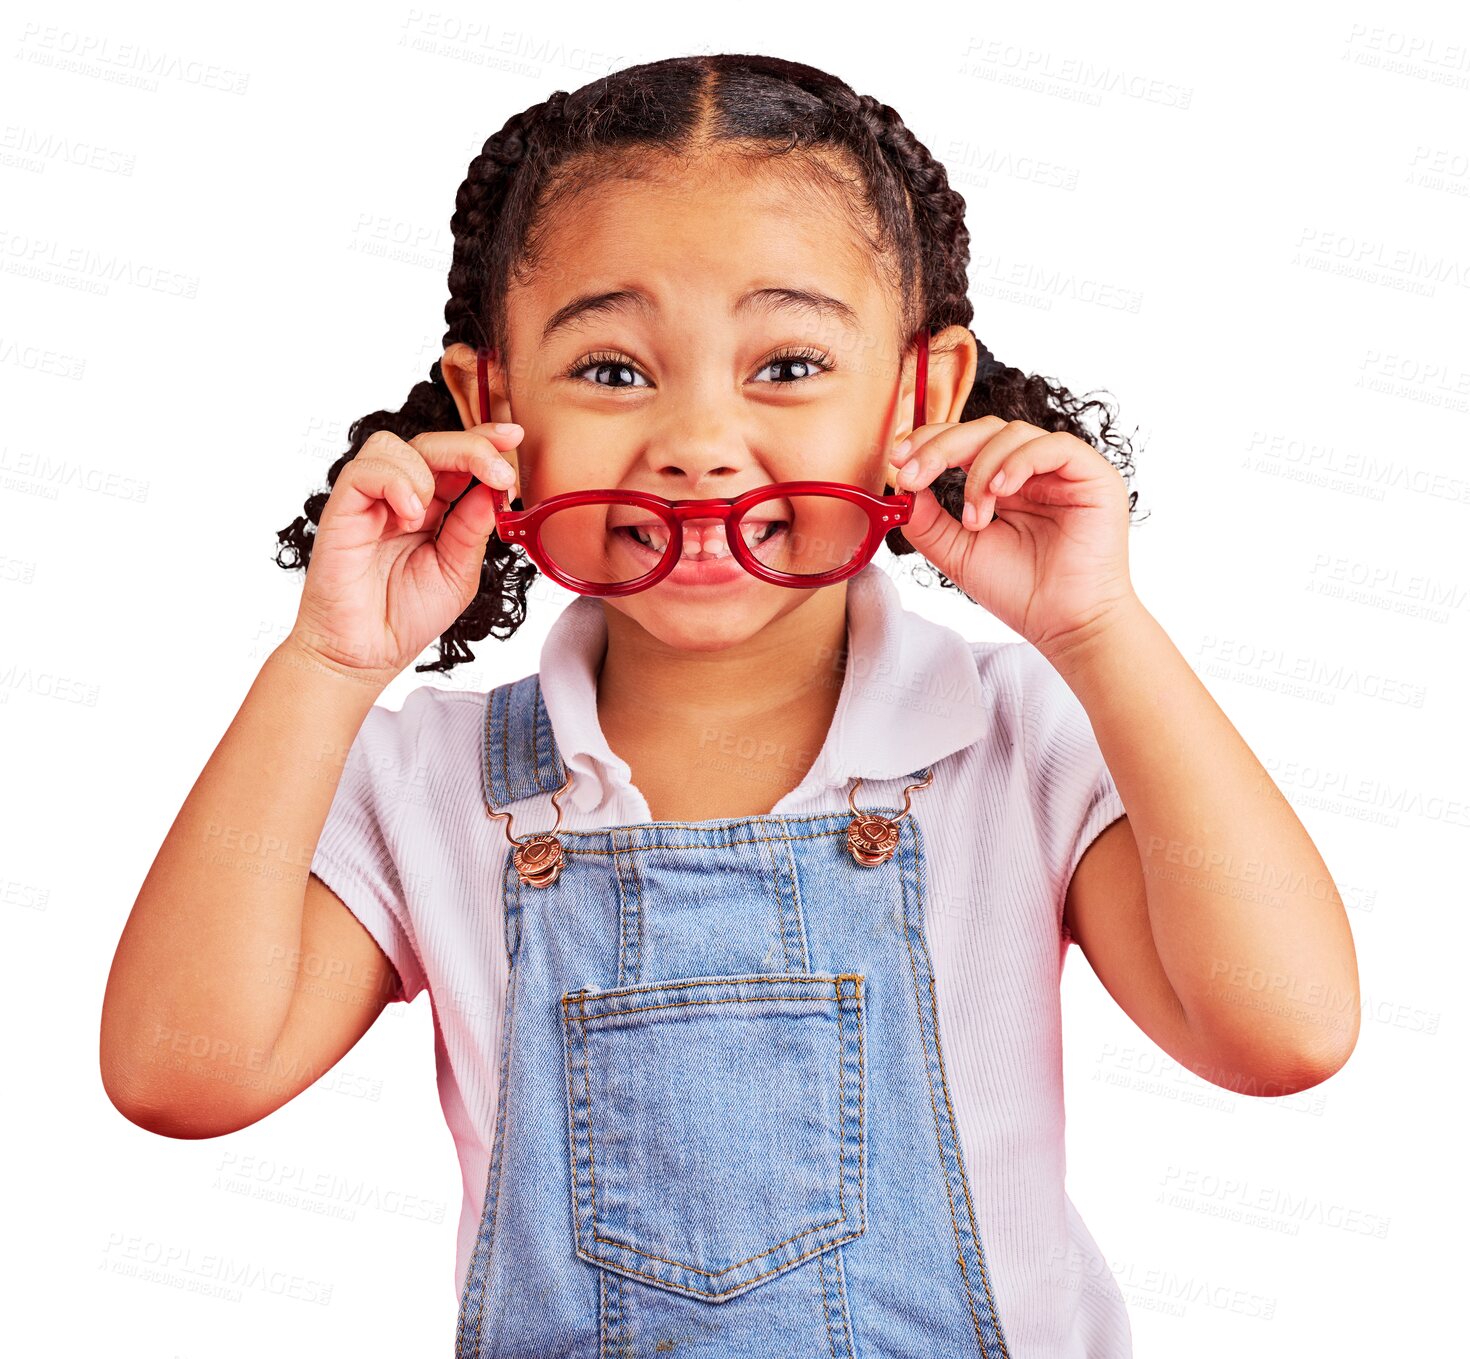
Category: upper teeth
[708,542]
[652,535]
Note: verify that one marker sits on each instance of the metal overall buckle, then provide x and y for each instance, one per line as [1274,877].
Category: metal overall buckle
[871,836]
[539,858]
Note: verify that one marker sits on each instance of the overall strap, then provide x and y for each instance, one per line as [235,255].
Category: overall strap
[519,758]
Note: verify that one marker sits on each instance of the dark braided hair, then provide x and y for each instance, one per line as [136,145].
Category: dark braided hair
[768,108]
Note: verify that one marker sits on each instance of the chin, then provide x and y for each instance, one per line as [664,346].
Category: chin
[719,620]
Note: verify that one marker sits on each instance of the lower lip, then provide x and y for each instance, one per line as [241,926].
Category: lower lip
[696,570]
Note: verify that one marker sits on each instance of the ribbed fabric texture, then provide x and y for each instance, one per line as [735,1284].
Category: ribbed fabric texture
[1020,790]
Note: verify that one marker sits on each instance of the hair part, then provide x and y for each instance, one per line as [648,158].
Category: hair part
[797,120]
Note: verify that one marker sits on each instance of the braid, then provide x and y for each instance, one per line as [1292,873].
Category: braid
[680,106]
[938,213]
[944,251]
[499,605]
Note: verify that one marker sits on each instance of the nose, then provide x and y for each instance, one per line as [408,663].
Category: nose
[697,458]
[702,445]
[703,442]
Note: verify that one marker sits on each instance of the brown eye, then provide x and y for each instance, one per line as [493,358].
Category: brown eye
[609,370]
[798,365]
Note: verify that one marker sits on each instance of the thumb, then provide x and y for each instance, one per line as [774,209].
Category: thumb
[933,531]
[464,535]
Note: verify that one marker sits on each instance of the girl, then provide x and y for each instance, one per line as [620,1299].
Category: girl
[742,919]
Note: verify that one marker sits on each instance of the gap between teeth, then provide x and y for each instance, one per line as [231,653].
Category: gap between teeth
[714,544]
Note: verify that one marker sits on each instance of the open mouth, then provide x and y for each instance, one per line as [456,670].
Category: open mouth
[653,538]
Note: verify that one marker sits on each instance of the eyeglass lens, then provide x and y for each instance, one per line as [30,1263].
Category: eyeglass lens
[799,535]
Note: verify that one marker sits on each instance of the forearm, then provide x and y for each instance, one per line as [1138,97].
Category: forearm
[202,980]
[1247,922]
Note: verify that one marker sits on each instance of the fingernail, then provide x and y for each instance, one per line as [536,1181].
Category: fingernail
[902,450]
[507,427]
[998,480]
[970,516]
[502,473]
[415,506]
[910,474]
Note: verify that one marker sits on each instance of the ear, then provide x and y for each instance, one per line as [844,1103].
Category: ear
[462,379]
[954,360]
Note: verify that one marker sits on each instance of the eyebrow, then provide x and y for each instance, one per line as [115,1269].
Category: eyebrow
[761,299]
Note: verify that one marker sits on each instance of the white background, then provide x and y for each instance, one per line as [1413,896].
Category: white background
[1247,224]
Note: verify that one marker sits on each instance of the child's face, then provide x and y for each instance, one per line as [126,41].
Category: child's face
[681,397]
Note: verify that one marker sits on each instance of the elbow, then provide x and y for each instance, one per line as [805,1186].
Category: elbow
[1284,1063]
[1311,1064]
[156,1113]
[167,1121]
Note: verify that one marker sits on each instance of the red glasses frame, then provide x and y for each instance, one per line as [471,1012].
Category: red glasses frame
[885,512]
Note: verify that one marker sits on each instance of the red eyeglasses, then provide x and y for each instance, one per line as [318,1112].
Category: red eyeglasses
[802,534]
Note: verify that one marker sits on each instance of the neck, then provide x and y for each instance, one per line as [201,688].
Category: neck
[737,728]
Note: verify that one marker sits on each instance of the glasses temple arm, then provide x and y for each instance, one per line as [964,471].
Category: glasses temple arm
[921,378]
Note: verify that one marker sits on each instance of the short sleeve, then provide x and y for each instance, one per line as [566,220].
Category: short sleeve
[1071,786]
[360,850]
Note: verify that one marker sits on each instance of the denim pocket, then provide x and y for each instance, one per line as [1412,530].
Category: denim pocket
[716,1126]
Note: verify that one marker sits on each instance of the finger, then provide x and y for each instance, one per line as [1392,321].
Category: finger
[980,497]
[462,540]
[384,469]
[1011,463]
[404,474]
[907,447]
[477,451]
[950,446]
[448,486]
[910,443]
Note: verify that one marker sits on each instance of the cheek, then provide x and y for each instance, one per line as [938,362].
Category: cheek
[856,455]
[567,462]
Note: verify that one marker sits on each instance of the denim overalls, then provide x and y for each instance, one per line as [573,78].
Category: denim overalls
[724,1129]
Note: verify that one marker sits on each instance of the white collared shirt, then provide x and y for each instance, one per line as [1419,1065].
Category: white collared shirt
[1020,790]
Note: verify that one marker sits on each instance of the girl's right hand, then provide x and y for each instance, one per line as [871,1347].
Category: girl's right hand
[389,569]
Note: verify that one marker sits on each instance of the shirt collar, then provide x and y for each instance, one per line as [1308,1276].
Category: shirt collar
[910,695]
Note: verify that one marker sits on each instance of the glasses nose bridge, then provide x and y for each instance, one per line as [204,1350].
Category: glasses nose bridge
[717,507]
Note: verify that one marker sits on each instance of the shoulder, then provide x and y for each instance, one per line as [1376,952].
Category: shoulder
[1055,767]
[1024,691]
[432,726]
[426,708]
[1033,710]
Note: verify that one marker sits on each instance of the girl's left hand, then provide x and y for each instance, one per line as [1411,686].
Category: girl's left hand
[1047,549]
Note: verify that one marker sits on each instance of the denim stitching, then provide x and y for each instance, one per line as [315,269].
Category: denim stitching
[510,892]
[954,1133]
[726,844]
[535,723]
[839,1267]
[639,942]
[679,1004]
[505,742]
[783,914]
[622,918]
[768,861]
[591,1159]
[938,1139]
[622,1337]
[822,1293]
[798,907]
[795,979]
[747,1283]
[612,1241]
[508,1025]
[844,1137]
[572,1122]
